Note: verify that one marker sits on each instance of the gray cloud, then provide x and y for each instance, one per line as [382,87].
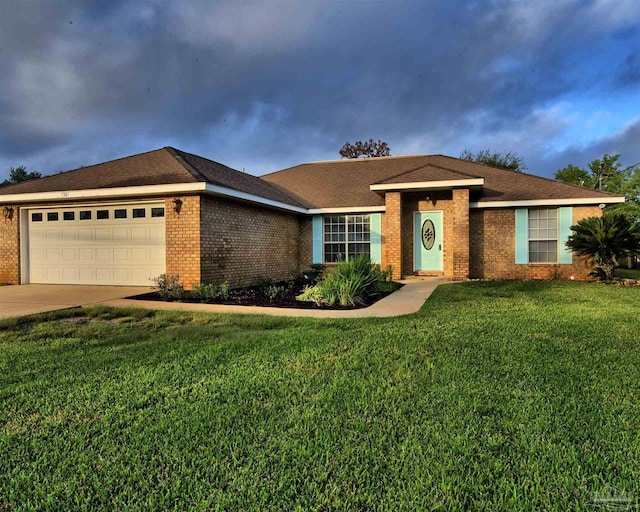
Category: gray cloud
[269,85]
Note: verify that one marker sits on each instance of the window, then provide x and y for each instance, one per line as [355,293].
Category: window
[120,214]
[346,236]
[543,235]
[138,213]
[85,215]
[102,214]
[157,212]
[68,216]
[52,216]
[36,217]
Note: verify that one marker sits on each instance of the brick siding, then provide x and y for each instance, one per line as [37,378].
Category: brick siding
[242,244]
[10,246]
[493,248]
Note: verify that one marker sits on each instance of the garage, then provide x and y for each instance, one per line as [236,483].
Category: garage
[119,244]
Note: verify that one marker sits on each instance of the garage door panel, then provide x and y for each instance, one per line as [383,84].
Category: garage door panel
[104,274]
[69,235]
[86,275]
[53,254]
[53,235]
[70,274]
[70,255]
[104,234]
[85,235]
[121,234]
[86,254]
[121,255]
[86,250]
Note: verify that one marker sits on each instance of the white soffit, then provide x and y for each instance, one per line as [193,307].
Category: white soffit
[429,185]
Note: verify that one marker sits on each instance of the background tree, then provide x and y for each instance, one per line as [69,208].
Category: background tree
[20,174]
[575,175]
[607,174]
[605,240]
[504,160]
[366,149]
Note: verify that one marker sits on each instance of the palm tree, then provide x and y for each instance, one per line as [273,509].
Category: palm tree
[605,239]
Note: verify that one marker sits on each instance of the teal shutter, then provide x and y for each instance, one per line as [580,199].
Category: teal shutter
[522,236]
[317,239]
[565,220]
[376,237]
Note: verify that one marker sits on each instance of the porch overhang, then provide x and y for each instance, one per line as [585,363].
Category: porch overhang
[474,183]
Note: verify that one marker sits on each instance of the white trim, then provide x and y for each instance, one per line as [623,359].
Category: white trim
[96,193]
[429,185]
[350,209]
[548,202]
[146,190]
[45,206]
[236,194]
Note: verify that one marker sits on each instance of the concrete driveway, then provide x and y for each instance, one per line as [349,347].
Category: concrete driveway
[28,299]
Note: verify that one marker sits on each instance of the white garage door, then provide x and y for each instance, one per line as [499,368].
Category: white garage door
[116,244]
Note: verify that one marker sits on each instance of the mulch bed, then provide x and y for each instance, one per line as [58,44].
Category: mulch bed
[258,296]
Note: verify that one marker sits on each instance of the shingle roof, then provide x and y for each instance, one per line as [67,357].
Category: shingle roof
[158,167]
[344,183]
[332,184]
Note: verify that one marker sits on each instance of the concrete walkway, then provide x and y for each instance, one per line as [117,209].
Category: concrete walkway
[406,300]
[29,299]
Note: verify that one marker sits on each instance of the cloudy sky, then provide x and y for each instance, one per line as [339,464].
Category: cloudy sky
[266,85]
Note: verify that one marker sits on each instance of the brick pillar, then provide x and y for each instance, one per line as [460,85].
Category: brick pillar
[460,234]
[10,245]
[392,233]
[183,239]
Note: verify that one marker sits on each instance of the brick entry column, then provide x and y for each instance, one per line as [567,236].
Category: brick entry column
[460,240]
[392,233]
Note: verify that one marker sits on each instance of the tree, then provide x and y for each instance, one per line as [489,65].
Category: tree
[575,175]
[605,239]
[20,174]
[606,174]
[505,160]
[366,149]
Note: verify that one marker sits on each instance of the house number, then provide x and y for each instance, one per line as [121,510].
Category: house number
[428,234]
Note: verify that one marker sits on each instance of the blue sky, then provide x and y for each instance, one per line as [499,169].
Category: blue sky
[266,85]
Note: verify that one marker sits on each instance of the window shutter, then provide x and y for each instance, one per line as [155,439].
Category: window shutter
[317,239]
[565,220]
[522,236]
[376,238]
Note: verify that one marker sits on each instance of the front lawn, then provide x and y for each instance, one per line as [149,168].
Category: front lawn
[495,396]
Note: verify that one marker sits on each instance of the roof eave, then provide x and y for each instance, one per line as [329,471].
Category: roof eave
[475,183]
[526,203]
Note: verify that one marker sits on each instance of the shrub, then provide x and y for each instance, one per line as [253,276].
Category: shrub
[207,292]
[352,283]
[274,291]
[169,286]
[605,240]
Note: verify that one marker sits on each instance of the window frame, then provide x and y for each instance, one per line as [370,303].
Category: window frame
[361,223]
[546,238]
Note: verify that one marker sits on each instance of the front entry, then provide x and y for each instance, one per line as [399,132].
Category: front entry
[427,241]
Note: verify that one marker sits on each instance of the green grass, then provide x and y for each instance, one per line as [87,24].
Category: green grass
[629,273]
[495,396]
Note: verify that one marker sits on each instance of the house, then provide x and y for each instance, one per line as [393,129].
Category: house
[167,211]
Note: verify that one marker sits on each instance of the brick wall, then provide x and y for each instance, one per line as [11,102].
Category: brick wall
[393,227]
[306,243]
[183,239]
[460,234]
[10,246]
[492,254]
[416,201]
[242,244]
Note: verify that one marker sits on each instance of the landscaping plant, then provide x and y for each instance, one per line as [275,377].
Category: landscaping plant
[353,282]
[605,239]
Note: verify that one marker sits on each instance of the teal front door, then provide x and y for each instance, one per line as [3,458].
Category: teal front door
[427,241]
